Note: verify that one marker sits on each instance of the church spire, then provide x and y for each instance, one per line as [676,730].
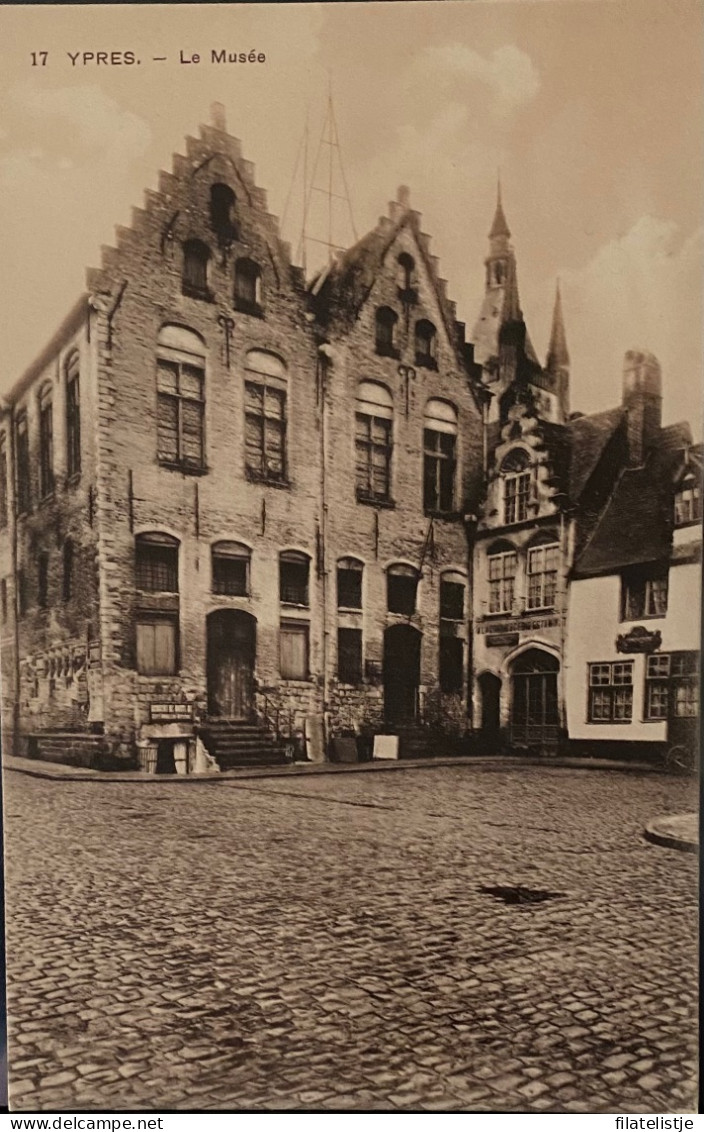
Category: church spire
[499,228]
[558,355]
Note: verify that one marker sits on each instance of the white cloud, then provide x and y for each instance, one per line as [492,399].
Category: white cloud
[508,72]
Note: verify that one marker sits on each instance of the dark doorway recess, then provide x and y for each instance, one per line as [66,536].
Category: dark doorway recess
[401,674]
[231,652]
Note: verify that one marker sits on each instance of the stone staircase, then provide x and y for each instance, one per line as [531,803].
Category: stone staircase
[235,744]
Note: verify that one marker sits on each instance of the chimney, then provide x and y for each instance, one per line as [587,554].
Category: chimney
[217,117]
[642,400]
[403,196]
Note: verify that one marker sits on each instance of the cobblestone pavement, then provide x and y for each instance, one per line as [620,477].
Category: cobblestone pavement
[324,943]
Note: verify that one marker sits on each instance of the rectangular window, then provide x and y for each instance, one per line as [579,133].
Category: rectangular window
[46,448]
[451,665]
[542,576]
[611,692]
[265,432]
[643,594]
[451,601]
[230,575]
[293,580]
[73,426]
[516,497]
[157,645]
[672,685]
[688,505]
[349,656]
[349,588]
[3,481]
[502,576]
[24,494]
[293,650]
[42,580]
[373,458]
[439,464]
[180,413]
[22,595]
[401,593]
[156,568]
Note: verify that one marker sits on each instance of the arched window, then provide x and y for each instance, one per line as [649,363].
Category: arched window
[222,211]
[688,500]
[248,287]
[196,257]
[294,569]
[157,625]
[439,456]
[426,344]
[3,479]
[24,490]
[502,564]
[385,332]
[180,398]
[373,442]
[230,568]
[68,570]
[349,583]
[516,478]
[452,592]
[265,416]
[156,563]
[543,563]
[406,277]
[46,442]
[73,414]
[401,589]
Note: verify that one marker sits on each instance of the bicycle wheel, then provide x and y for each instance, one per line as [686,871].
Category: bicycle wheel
[679,760]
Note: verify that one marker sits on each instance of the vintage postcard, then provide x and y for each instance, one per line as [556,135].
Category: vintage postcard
[350,541]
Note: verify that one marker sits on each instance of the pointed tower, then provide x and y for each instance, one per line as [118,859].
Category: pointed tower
[557,364]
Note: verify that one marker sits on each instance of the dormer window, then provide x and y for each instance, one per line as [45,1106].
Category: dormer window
[425,343]
[196,258]
[248,287]
[385,332]
[517,481]
[688,501]
[222,212]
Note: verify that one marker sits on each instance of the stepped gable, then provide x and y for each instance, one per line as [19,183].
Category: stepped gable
[340,290]
[169,212]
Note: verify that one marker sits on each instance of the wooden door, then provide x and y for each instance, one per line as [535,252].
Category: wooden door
[231,656]
[401,674]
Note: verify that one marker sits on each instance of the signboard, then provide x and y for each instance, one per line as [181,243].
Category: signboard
[493,639]
[517,624]
[171,713]
[639,639]
[386,746]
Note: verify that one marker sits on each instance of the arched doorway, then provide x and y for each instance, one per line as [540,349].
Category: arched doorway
[401,674]
[231,652]
[490,692]
[534,712]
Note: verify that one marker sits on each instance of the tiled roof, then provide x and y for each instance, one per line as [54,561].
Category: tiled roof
[588,439]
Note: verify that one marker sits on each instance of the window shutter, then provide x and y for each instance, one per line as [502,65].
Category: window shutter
[167,428]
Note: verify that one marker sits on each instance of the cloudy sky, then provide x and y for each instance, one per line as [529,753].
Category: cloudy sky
[591,109]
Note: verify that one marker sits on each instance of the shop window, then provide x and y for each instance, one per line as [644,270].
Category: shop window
[293,650]
[265,417]
[156,563]
[248,287]
[439,457]
[426,344]
[385,332]
[68,570]
[349,583]
[502,566]
[402,589]
[517,485]
[543,561]
[24,491]
[294,569]
[611,692]
[373,442]
[644,593]
[196,261]
[180,398]
[73,415]
[349,656]
[230,569]
[157,644]
[672,686]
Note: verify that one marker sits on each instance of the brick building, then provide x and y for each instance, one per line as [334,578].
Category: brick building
[234,505]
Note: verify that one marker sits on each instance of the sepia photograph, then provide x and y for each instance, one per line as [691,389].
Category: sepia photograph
[350,556]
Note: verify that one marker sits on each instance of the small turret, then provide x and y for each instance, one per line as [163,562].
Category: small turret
[557,364]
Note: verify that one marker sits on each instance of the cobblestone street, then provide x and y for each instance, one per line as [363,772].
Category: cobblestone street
[324,943]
